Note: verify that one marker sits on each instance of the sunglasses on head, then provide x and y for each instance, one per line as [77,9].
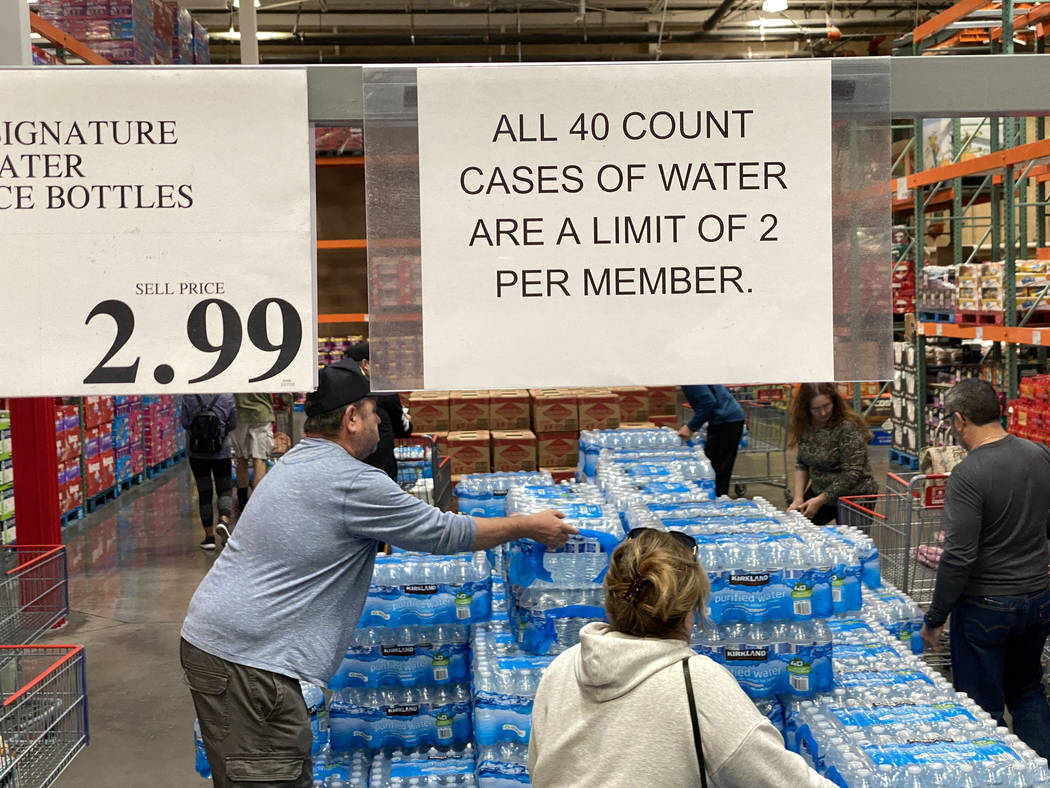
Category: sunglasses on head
[682,538]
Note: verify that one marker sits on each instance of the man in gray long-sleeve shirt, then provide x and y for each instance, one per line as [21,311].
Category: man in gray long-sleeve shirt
[992,577]
[282,600]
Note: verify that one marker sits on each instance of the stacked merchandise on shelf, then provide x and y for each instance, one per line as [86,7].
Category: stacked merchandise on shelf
[68,447]
[937,293]
[182,33]
[99,458]
[163,31]
[163,436]
[982,292]
[122,31]
[7,478]
[338,140]
[904,402]
[41,57]
[1029,416]
[201,50]
[128,432]
[333,349]
[903,276]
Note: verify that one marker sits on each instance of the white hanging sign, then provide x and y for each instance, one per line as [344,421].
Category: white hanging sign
[625,224]
[157,231]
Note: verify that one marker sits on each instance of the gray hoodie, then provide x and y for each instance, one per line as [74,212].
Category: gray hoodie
[613,711]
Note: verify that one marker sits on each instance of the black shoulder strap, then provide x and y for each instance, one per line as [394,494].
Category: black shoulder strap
[696,723]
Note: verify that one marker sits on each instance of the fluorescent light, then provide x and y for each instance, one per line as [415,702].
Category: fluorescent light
[261,35]
[237,3]
[763,22]
[774,6]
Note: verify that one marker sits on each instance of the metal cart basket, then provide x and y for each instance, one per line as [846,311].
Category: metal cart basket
[905,524]
[34,592]
[44,722]
[422,471]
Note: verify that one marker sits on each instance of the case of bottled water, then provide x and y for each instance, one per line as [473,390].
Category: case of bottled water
[342,770]
[549,620]
[778,657]
[533,498]
[582,561]
[411,589]
[430,767]
[505,682]
[405,657]
[407,717]
[485,494]
[593,441]
[897,613]
[866,549]
[503,765]
[616,472]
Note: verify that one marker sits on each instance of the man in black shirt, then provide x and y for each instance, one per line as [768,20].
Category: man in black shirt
[992,577]
[393,420]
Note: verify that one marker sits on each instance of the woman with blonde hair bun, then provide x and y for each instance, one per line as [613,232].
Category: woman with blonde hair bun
[632,705]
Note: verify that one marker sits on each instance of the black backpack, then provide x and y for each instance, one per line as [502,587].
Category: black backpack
[206,433]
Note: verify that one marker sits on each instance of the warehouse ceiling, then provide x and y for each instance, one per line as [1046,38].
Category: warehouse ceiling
[449,31]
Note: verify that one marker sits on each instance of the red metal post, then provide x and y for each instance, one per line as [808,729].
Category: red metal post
[37,518]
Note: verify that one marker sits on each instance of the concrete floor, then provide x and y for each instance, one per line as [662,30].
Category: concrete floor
[133,567]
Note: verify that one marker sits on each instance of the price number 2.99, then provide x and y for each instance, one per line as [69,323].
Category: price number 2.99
[227,349]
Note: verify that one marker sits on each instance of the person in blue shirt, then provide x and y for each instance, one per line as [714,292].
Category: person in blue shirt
[716,407]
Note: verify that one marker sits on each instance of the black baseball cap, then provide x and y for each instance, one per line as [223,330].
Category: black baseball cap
[338,384]
[358,352]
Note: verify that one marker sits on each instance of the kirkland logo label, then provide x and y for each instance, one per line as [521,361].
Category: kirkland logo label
[402,711]
[751,654]
[759,579]
[399,651]
[421,589]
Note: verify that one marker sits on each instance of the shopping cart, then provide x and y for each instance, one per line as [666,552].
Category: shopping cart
[34,592]
[422,471]
[762,457]
[44,719]
[905,524]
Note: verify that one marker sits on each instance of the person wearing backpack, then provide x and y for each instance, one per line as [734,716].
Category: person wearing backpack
[209,419]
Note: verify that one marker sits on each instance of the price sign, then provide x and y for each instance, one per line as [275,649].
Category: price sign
[157,228]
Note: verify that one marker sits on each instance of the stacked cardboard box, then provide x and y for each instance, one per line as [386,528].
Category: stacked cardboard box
[128,429]
[982,289]
[470,451]
[122,31]
[663,405]
[556,424]
[333,349]
[161,433]
[903,282]
[182,33]
[201,51]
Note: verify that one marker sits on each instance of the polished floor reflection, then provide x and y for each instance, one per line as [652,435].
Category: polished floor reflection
[133,567]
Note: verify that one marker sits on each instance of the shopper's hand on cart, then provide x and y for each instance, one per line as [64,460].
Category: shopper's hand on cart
[931,638]
[550,528]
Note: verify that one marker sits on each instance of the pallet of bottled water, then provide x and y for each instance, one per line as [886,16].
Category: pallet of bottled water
[410,589]
[549,620]
[503,765]
[772,658]
[505,682]
[405,657]
[865,657]
[484,494]
[593,441]
[431,767]
[406,717]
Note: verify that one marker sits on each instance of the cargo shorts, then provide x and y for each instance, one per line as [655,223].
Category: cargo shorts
[254,723]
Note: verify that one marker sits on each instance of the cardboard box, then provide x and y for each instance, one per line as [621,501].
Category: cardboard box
[561,474]
[513,450]
[429,411]
[509,410]
[638,425]
[665,421]
[662,400]
[558,450]
[468,410]
[441,437]
[469,451]
[634,402]
[599,409]
[554,411]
